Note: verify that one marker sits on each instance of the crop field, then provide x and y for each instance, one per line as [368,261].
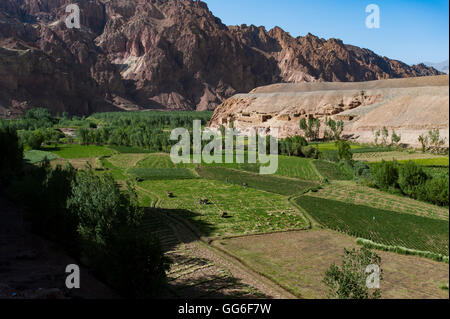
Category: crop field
[163,173]
[361,195]
[438,161]
[399,156]
[381,226]
[297,167]
[158,161]
[194,273]
[128,149]
[74,151]
[298,262]
[331,146]
[330,171]
[126,160]
[268,183]
[35,156]
[249,211]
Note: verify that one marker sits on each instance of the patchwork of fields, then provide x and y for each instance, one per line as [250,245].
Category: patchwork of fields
[227,201]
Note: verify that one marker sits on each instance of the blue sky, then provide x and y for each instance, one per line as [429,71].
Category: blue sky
[411,31]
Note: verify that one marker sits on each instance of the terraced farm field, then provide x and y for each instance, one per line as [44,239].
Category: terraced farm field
[399,156]
[361,195]
[126,160]
[249,211]
[297,167]
[35,156]
[163,173]
[195,272]
[439,161]
[298,262]
[268,183]
[330,171]
[74,151]
[381,226]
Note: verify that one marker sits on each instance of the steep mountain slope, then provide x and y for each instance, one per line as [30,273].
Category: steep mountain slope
[159,54]
[409,106]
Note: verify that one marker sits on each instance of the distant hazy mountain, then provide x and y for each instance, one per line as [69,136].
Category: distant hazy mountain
[443,66]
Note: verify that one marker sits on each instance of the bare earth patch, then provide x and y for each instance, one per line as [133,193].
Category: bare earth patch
[298,261]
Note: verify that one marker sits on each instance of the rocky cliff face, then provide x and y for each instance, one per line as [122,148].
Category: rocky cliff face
[159,54]
[410,106]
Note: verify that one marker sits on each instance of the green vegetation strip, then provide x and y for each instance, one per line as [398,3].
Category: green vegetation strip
[268,183]
[129,149]
[440,161]
[402,250]
[75,151]
[163,173]
[381,226]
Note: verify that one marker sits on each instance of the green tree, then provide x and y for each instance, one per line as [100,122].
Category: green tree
[395,138]
[424,142]
[344,150]
[411,178]
[350,280]
[336,129]
[113,239]
[310,128]
[384,136]
[377,135]
[385,174]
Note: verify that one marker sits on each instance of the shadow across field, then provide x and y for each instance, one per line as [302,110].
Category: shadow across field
[195,272]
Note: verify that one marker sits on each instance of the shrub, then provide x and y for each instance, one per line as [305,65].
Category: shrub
[310,152]
[411,177]
[385,174]
[435,190]
[361,169]
[350,280]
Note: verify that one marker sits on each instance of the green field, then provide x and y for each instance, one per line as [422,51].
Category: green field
[163,173]
[35,156]
[297,167]
[381,226]
[420,158]
[439,161]
[331,171]
[268,183]
[128,149]
[74,151]
[352,193]
[158,161]
[250,211]
[331,146]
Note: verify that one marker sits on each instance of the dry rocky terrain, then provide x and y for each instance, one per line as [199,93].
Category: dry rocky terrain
[133,54]
[409,106]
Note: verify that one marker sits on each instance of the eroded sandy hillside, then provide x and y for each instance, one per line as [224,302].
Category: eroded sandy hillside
[409,106]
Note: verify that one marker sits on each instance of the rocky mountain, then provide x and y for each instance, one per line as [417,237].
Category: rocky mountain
[173,54]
